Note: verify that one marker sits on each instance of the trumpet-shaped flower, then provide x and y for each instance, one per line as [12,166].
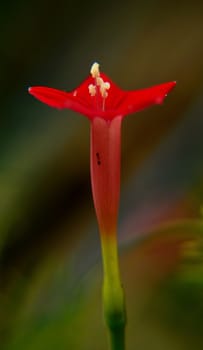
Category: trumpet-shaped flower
[105,105]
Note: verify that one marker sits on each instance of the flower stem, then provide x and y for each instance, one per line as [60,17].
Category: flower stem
[113,295]
[117,339]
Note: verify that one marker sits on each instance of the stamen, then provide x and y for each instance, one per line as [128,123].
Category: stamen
[103,91]
[103,88]
[99,81]
[107,85]
[95,70]
[100,85]
[92,89]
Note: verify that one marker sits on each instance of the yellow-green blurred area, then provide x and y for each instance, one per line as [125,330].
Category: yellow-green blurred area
[50,264]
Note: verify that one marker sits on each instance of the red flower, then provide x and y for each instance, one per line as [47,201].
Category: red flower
[98,96]
[105,104]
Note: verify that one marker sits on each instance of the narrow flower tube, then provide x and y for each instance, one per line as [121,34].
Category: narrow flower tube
[105,171]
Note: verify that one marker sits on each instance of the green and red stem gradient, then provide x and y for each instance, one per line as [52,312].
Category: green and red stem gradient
[105,105]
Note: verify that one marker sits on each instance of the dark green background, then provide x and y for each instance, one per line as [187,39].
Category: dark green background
[50,274]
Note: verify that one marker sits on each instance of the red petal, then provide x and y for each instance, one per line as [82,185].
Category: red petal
[52,97]
[118,103]
[139,99]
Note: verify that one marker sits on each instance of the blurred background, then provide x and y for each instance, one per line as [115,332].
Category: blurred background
[50,267]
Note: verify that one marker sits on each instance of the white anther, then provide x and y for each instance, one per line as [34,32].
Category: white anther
[92,89]
[99,81]
[107,85]
[103,87]
[95,70]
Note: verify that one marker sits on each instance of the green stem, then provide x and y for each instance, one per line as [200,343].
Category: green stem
[113,295]
[117,339]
